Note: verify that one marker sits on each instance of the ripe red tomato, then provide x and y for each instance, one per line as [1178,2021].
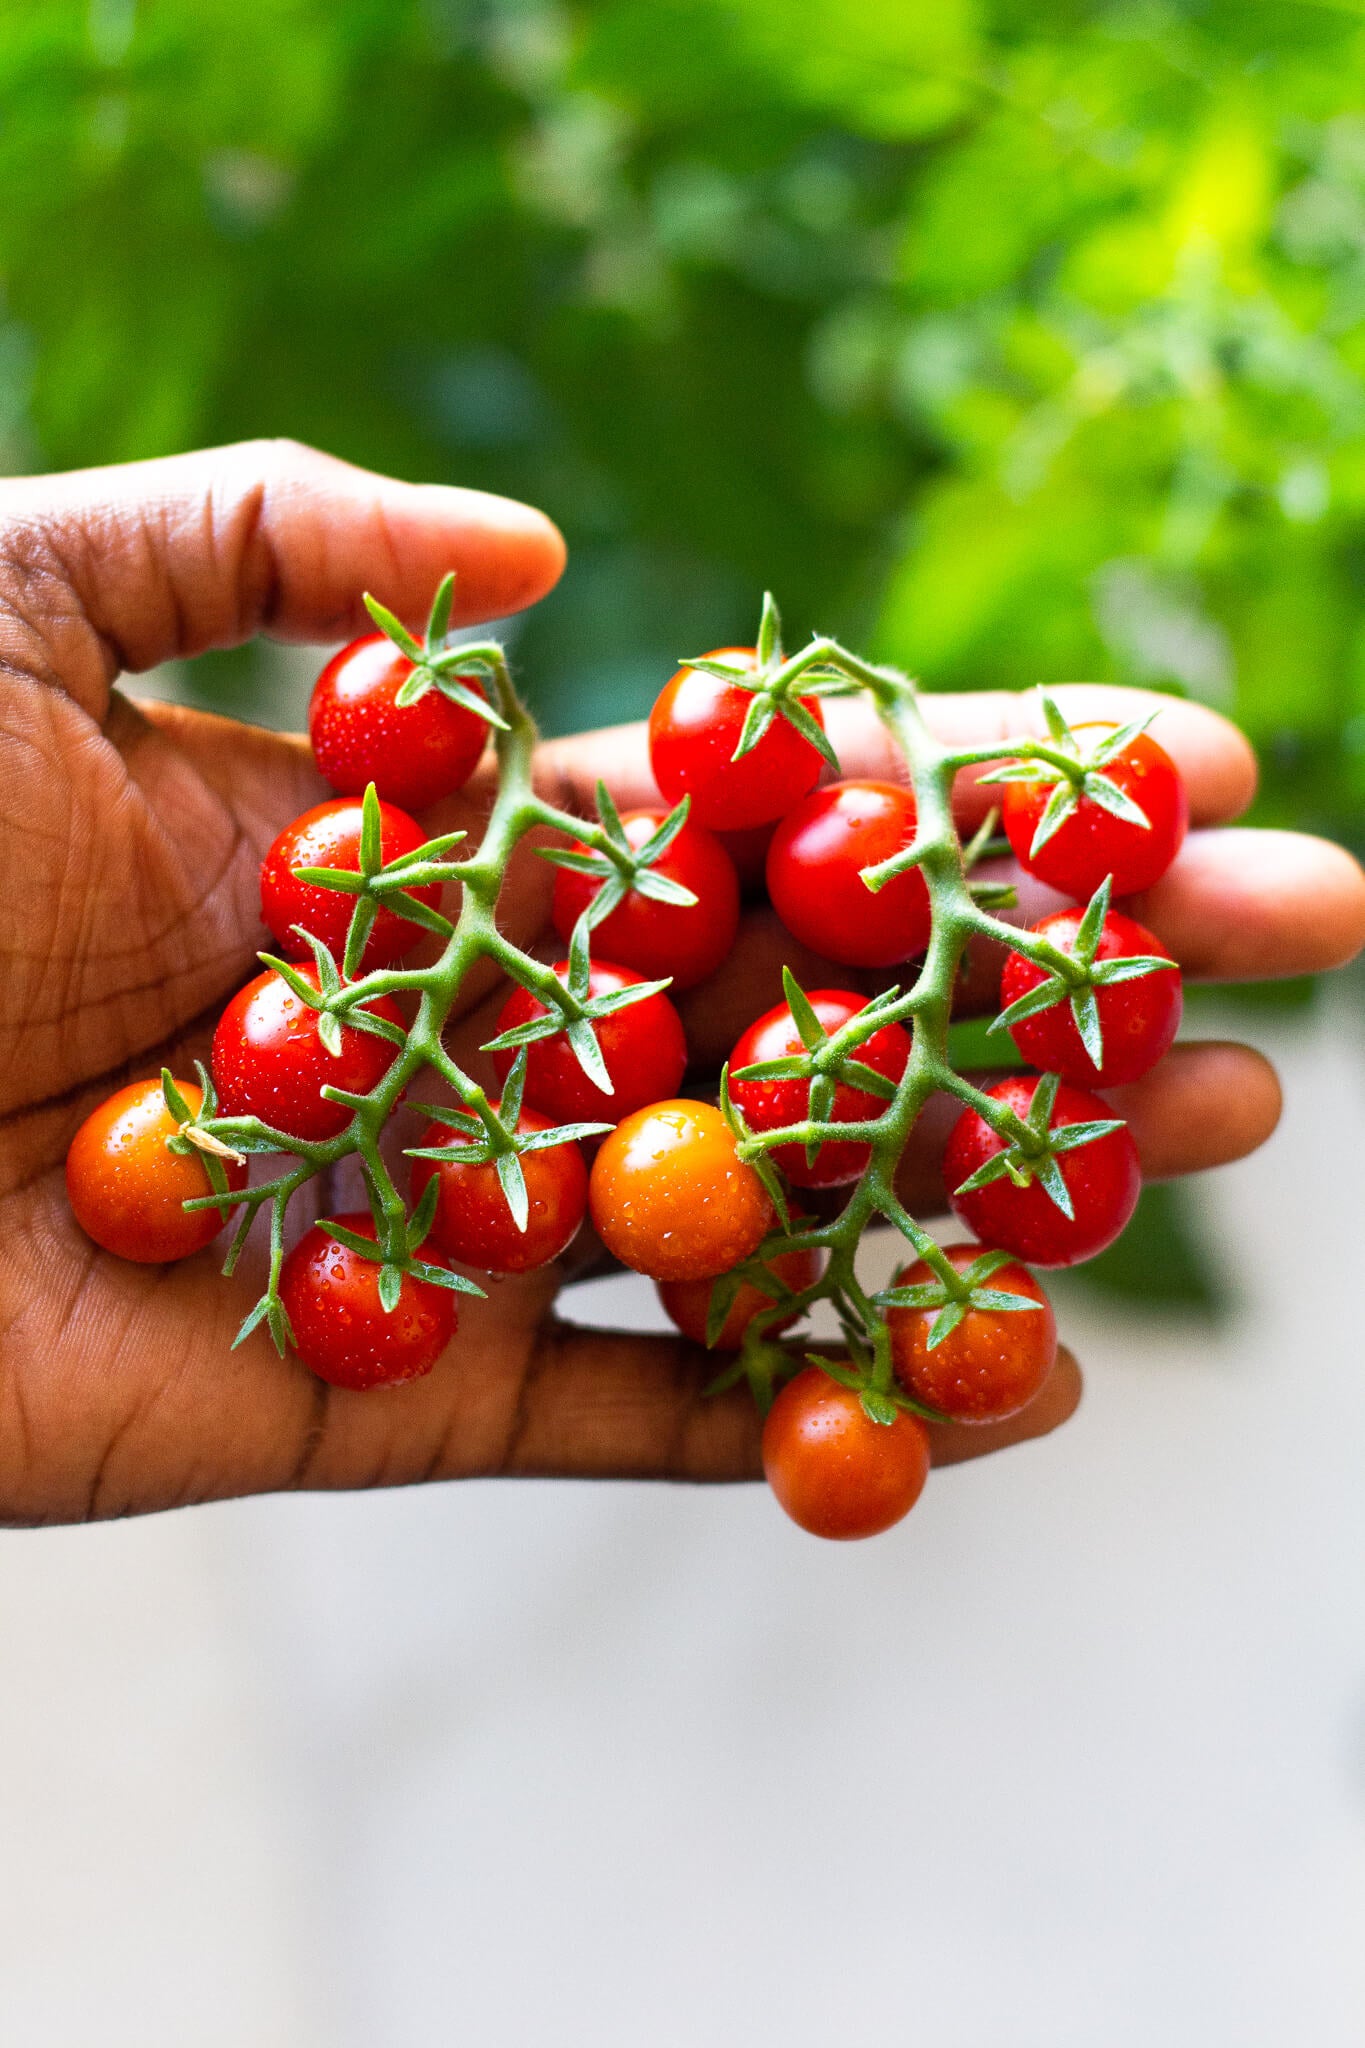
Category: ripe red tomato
[671,1197]
[1138,1019]
[643,1048]
[686,941]
[768,1105]
[342,1331]
[268,1060]
[474,1223]
[995,1360]
[328,836]
[835,1471]
[1103,1179]
[694,729]
[413,753]
[688,1302]
[126,1189]
[814,875]
[1092,842]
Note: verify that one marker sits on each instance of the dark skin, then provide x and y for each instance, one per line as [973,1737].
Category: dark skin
[130,836]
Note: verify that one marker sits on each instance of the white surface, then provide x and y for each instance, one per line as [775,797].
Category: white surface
[1075,1757]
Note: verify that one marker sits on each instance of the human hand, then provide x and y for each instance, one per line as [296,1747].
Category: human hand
[131,837]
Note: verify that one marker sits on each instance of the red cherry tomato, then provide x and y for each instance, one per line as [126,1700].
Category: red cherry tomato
[815,881]
[1092,842]
[329,837]
[643,1049]
[474,1223]
[836,1472]
[342,1331]
[767,1105]
[1103,1179]
[992,1364]
[686,941]
[671,1197]
[1138,1019]
[268,1060]
[694,729]
[413,753]
[688,1302]
[126,1189]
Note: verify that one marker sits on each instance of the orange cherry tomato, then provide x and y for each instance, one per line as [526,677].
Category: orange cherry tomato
[670,1196]
[835,1471]
[127,1189]
[688,1302]
[992,1364]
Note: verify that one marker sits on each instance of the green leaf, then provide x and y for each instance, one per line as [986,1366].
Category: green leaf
[512,1181]
[1059,807]
[292,979]
[513,1090]
[390,1288]
[175,1102]
[610,816]
[438,620]
[944,1323]
[583,1044]
[562,1134]
[663,889]
[878,1407]
[664,834]
[413,911]
[470,700]
[769,645]
[1069,1136]
[371,832]
[615,999]
[1085,1011]
[997,1167]
[1057,726]
[580,959]
[793,1067]
[757,719]
[1000,1303]
[441,1276]
[424,1215]
[1091,926]
[329,1033]
[810,1030]
[1049,1177]
[1100,790]
[347,880]
[925,1294]
[724,1291]
[358,935]
[1114,743]
[363,1247]
[1130,967]
[810,729]
[392,627]
[414,686]
[1044,1102]
[857,1075]
[727,671]
[1045,996]
[835,1369]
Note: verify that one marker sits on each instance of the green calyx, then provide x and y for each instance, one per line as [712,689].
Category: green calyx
[955,1296]
[489,1136]
[773,684]
[396,1251]
[1074,772]
[379,885]
[436,666]
[1077,976]
[1032,1155]
[623,869]
[573,1009]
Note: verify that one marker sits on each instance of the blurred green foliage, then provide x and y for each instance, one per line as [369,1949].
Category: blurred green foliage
[1014,341]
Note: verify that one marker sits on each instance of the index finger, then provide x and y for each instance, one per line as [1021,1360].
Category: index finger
[1214,758]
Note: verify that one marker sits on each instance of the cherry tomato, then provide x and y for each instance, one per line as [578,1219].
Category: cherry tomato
[815,881]
[1092,842]
[835,1471]
[268,1060]
[671,1197]
[694,729]
[643,1048]
[1103,1179]
[767,1105]
[126,1189]
[1138,1019]
[413,753]
[328,836]
[342,1331]
[992,1364]
[473,1222]
[686,941]
[688,1302]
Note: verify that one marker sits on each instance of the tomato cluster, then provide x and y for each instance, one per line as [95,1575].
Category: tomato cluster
[744,1211]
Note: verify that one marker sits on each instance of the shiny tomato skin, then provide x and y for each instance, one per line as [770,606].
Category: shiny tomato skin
[1103,1179]
[837,1473]
[413,754]
[686,941]
[767,1105]
[126,1189]
[341,1329]
[671,1197]
[1093,843]
[1138,1019]
[643,1048]
[814,870]
[473,1223]
[688,1302]
[992,1364]
[268,1060]
[328,836]
[694,729]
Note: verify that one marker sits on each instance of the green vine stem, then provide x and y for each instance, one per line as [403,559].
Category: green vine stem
[959,915]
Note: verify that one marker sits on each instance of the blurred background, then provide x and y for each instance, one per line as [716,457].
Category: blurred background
[1009,342]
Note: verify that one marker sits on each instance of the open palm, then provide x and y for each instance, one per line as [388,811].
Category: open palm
[130,838]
